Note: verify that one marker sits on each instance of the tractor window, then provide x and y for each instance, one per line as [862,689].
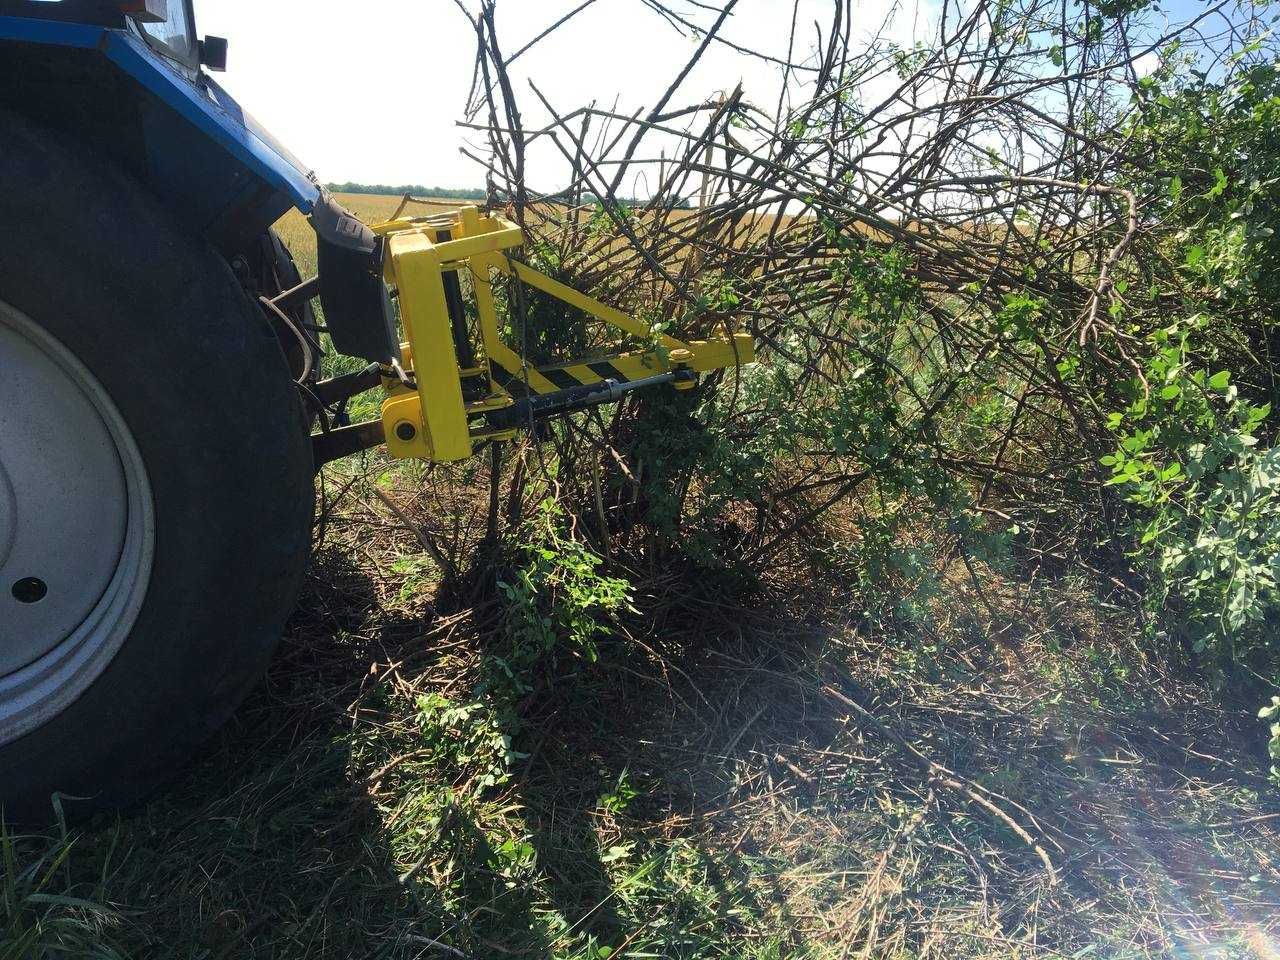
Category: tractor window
[175,36]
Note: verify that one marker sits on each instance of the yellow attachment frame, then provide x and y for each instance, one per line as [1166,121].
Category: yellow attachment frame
[435,421]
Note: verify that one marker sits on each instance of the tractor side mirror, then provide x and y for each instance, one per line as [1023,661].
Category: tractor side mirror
[213,53]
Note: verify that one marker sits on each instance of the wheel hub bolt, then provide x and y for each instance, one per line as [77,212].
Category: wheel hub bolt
[29,590]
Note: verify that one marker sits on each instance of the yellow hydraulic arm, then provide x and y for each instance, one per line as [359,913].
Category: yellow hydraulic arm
[445,404]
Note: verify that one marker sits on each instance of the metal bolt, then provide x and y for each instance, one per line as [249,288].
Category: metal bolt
[30,590]
[406,431]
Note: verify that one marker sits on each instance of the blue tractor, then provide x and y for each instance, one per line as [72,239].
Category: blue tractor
[155,463]
[159,386]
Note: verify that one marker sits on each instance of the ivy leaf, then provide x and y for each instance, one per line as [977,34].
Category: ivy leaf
[1220,186]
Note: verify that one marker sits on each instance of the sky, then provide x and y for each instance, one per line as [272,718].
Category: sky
[372,91]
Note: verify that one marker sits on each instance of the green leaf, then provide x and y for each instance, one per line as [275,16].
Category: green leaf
[616,852]
[1194,255]
[1175,189]
[1220,186]
[1220,380]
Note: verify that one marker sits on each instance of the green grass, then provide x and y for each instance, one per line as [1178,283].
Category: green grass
[710,788]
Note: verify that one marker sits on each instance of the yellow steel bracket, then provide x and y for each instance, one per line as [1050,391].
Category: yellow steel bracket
[433,420]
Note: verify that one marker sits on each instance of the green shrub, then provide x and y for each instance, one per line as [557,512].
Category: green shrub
[556,597]
[1188,455]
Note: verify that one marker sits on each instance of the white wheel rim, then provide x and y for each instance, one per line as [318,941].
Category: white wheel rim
[77,527]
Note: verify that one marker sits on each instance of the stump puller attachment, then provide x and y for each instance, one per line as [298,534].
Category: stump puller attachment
[456,383]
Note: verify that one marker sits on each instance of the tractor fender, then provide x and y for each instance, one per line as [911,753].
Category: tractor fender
[177,132]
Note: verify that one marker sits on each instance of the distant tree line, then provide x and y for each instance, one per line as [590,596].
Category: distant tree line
[449,193]
[417,189]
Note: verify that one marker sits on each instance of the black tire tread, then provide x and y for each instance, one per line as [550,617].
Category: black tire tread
[199,376]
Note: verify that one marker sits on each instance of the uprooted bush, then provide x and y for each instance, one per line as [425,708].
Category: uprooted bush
[1015,285]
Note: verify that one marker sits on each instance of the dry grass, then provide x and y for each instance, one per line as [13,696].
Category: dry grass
[807,772]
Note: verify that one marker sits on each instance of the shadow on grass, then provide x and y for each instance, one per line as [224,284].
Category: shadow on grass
[628,793]
[271,844]
[711,798]
[607,836]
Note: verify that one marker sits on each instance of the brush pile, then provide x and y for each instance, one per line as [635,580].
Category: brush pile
[975,266]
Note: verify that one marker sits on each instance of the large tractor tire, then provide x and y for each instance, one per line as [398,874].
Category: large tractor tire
[155,484]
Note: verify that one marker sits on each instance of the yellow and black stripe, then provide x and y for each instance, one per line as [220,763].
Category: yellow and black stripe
[567,376]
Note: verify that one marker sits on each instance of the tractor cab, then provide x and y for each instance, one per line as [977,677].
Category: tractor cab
[172,33]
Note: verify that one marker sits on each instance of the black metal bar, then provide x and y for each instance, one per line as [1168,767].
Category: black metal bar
[547,405]
[457,311]
[348,385]
[344,441]
[306,290]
